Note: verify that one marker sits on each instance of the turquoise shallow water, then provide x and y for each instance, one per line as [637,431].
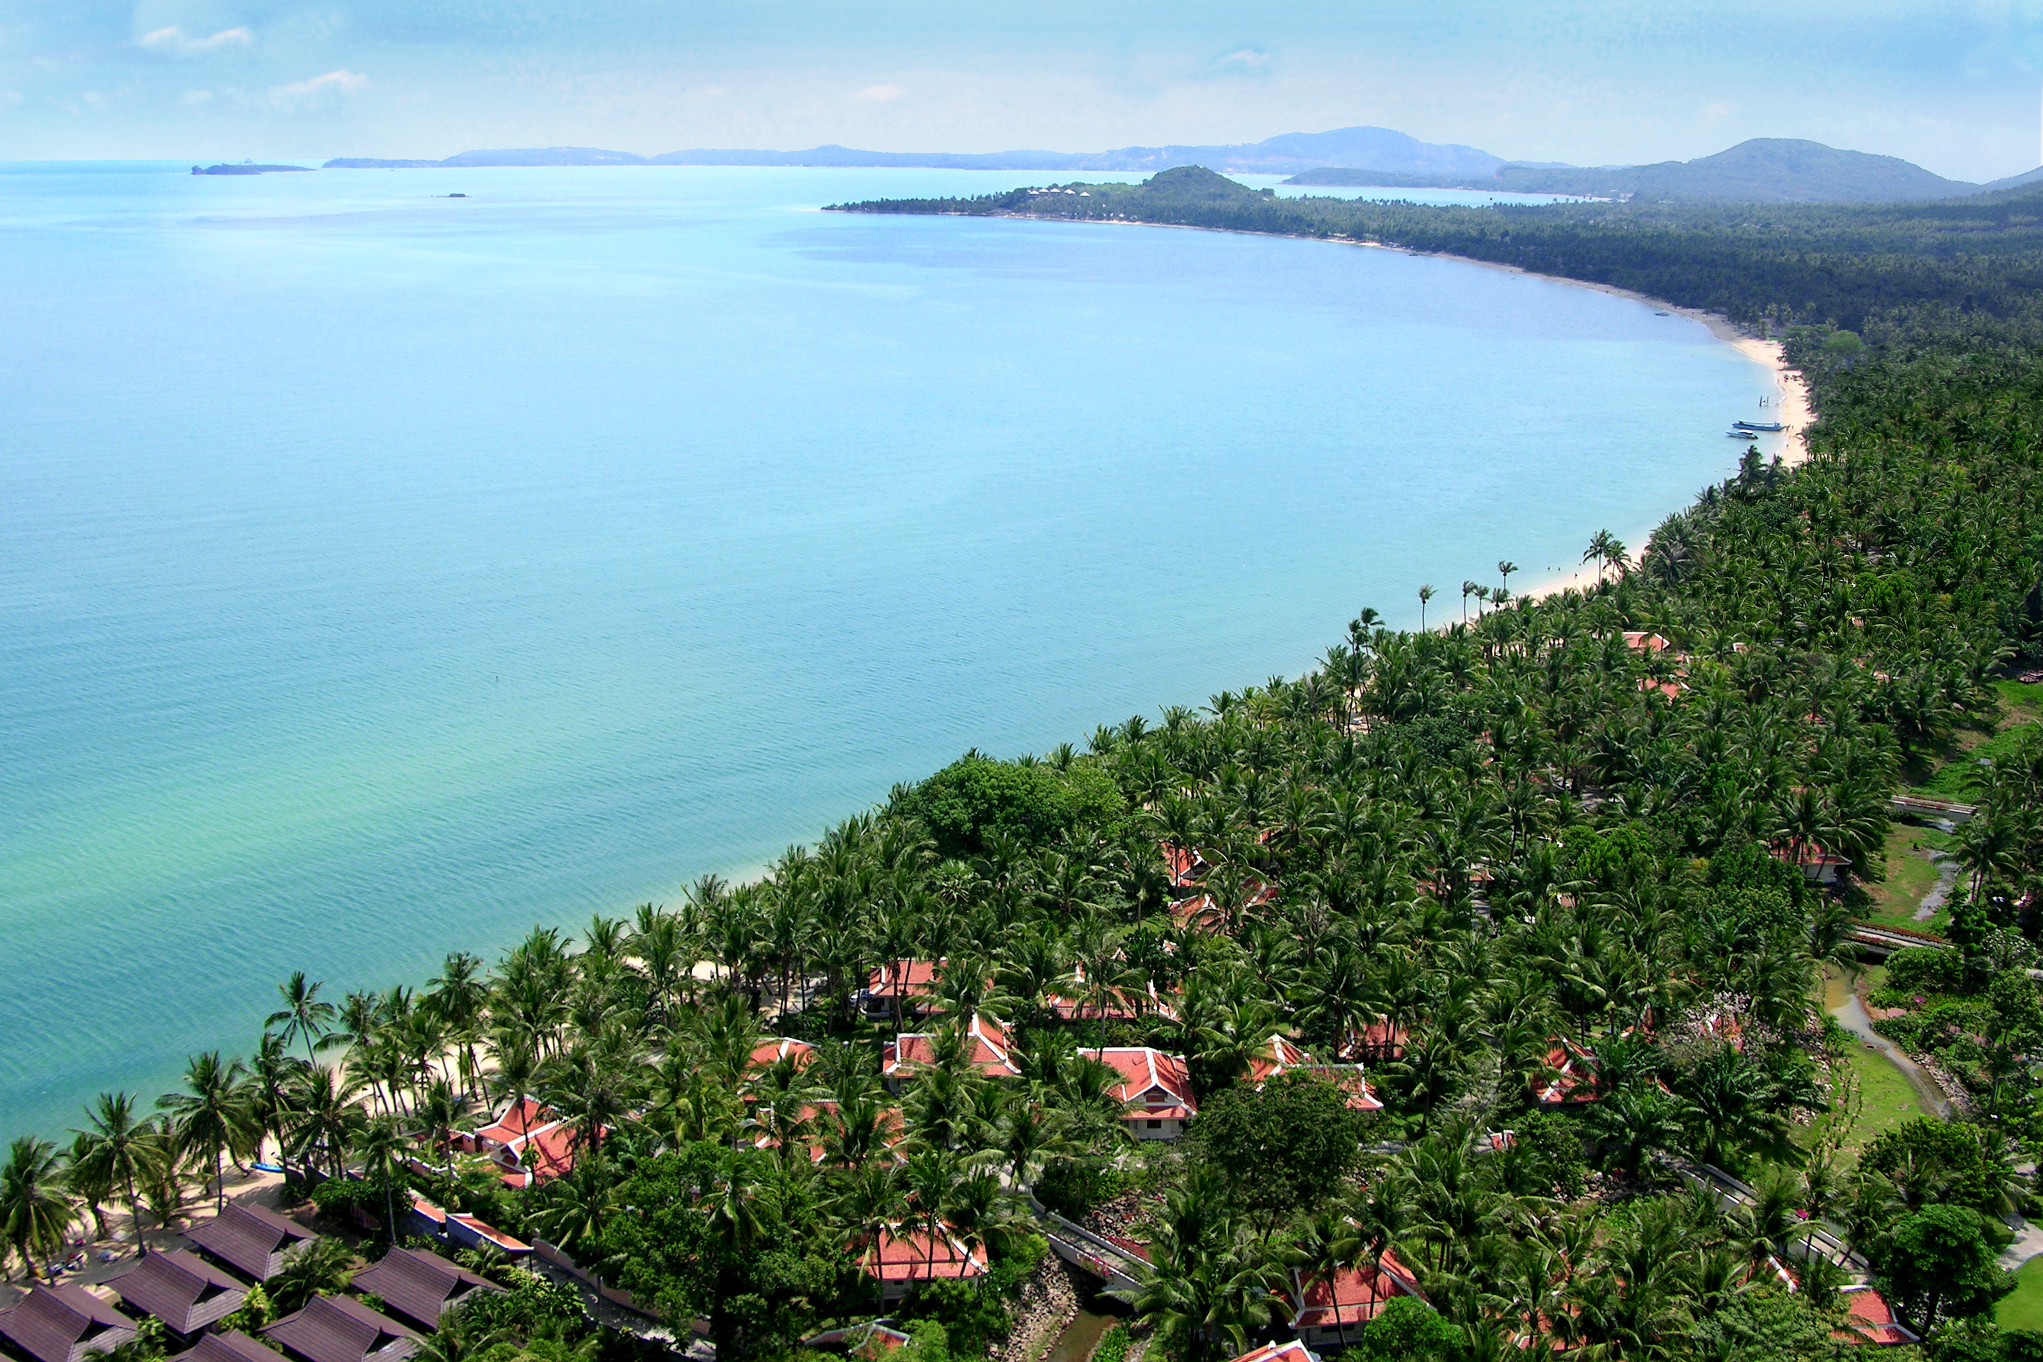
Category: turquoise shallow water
[382,574]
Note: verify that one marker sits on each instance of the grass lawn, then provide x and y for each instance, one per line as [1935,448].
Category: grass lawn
[1889,1099]
[1909,877]
[2023,1309]
[2022,700]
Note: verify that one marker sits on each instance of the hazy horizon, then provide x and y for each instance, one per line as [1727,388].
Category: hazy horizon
[1953,87]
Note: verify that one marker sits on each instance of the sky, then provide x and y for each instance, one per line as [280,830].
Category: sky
[1955,87]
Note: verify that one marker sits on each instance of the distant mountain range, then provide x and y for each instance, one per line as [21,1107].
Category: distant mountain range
[1379,148]
[1762,170]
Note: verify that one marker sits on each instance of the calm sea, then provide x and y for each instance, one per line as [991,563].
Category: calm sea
[384,573]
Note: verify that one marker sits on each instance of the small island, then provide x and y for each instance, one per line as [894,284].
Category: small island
[244,168]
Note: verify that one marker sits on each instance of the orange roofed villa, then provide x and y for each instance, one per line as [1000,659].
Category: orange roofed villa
[530,1143]
[1155,1090]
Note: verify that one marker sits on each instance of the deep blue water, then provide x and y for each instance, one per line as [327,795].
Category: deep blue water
[382,574]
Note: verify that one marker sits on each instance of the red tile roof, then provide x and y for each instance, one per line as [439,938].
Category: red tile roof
[57,1323]
[918,1256]
[991,1051]
[488,1235]
[1290,1351]
[1573,1076]
[531,1142]
[770,1052]
[1354,1295]
[1153,1084]
[1873,1319]
[1185,864]
[904,978]
[1378,1040]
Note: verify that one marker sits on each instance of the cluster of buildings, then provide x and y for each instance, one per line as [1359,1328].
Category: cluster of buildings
[191,1290]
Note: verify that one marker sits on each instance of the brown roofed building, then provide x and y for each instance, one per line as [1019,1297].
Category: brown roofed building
[180,1288]
[252,1240]
[342,1329]
[418,1285]
[232,1346]
[64,1324]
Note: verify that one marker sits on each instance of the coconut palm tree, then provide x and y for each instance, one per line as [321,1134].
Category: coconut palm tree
[213,1115]
[36,1212]
[1425,595]
[325,1119]
[384,1149]
[86,1178]
[1504,570]
[323,1267]
[303,1014]
[119,1144]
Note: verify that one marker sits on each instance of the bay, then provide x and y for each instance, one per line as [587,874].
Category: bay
[382,574]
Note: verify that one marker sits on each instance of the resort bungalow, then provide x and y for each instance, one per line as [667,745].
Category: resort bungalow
[530,1143]
[1872,1320]
[253,1240]
[419,1286]
[1817,865]
[1280,1056]
[1328,1313]
[1377,1042]
[906,986]
[64,1324]
[342,1329]
[182,1289]
[987,1046]
[907,1257]
[1570,1077]
[771,1051]
[232,1346]
[1290,1350]
[1155,1090]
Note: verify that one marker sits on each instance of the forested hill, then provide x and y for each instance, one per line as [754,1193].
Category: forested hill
[1838,265]
[1762,170]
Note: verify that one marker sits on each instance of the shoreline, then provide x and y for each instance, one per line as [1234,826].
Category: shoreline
[1791,403]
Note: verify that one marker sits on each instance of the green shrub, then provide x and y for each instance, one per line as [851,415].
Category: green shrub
[1926,970]
[1071,1187]
[337,1196]
[1113,1345]
[1035,804]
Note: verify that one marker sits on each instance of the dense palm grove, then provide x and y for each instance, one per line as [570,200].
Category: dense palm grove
[1538,872]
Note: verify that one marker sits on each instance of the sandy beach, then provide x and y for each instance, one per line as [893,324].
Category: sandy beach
[1789,406]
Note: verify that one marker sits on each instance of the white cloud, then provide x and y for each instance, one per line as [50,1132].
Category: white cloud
[194,98]
[174,41]
[1720,109]
[881,94]
[1248,58]
[9,98]
[320,87]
